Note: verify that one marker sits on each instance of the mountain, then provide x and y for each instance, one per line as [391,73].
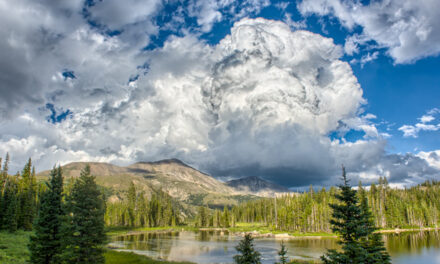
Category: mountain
[256,186]
[176,178]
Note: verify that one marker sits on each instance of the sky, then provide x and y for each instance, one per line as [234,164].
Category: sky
[284,90]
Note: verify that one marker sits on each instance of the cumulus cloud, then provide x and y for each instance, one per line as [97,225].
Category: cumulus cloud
[431,157]
[409,30]
[262,102]
[424,125]
[115,15]
[40,43]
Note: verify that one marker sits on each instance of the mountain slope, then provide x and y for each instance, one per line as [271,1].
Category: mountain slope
[179,180]
[257,186]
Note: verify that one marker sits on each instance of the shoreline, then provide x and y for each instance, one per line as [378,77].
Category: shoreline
[258,234]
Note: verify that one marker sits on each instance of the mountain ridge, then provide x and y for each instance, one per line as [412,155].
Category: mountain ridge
[256,185]
[181,181]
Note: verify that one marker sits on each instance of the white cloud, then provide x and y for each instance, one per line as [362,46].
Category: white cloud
[426,118]
[294,24]
[410,30]
[115,15]
[369,57]
[432,157]
[413,130]
[207,13]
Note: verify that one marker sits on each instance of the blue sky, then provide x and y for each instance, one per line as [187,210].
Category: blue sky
[283,90]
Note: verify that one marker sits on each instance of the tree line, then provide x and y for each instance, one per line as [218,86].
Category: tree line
[19,197]
[136,210]
[214,218]
[418,206]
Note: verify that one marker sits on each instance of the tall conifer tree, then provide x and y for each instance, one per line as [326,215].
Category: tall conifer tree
[84,227]
[348,222]
[45,245]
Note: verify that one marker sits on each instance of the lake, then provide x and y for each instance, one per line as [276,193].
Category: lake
[218,247]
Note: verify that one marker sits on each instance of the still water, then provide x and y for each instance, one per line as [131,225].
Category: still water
[218,247]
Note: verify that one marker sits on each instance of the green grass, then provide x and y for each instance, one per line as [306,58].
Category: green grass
[13,250]
[13,247]
[117,257]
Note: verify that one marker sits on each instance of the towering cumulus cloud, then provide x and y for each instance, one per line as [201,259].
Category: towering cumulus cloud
[264,101]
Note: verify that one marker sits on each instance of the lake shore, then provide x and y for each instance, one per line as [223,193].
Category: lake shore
[256,231]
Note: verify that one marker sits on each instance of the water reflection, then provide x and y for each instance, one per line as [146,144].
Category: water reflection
[219,247]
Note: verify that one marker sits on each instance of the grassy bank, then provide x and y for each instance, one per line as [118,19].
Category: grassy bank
[13,250]
[13,247]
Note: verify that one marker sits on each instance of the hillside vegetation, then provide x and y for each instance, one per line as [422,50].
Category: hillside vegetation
[180,181]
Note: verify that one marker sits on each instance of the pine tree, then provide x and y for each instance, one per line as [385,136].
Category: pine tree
[248,254]
[282,253]
[348,222]
[84,226]
[45,244]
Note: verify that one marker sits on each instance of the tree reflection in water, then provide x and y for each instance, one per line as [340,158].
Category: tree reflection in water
[218,246]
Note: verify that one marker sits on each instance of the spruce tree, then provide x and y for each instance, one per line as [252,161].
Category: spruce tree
[45,244]
[282,253]
[248,255]
[348,222]
[84,226]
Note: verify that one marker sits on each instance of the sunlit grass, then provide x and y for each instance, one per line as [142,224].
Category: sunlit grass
[13,247]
